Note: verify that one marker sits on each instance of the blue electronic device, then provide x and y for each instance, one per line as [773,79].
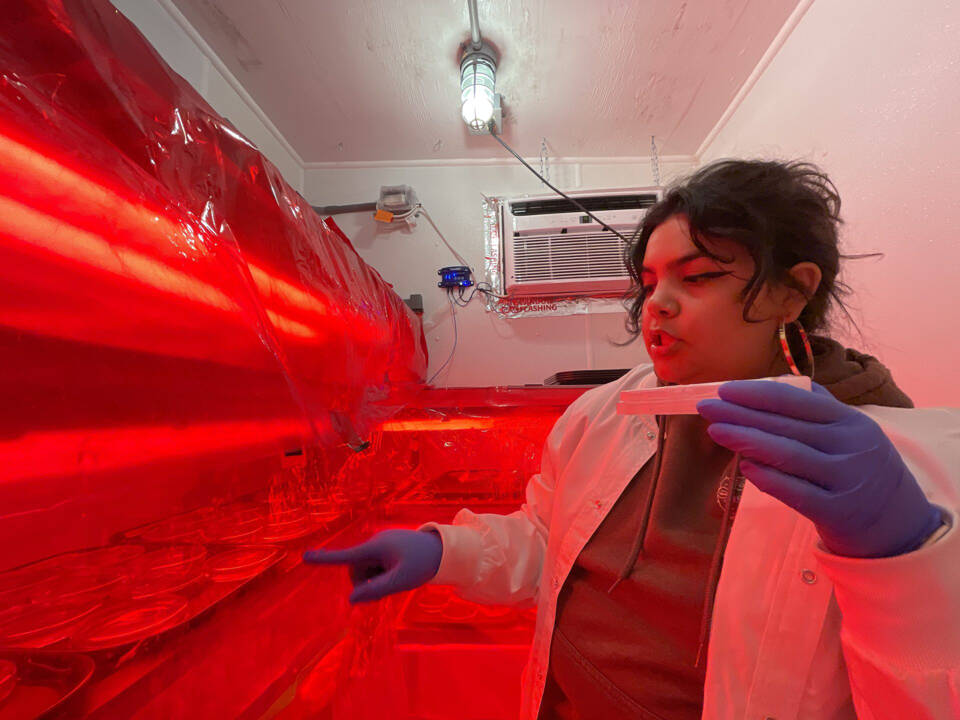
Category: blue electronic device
[455,276]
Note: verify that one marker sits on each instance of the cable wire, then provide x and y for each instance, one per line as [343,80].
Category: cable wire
[463,262]
[478,288]
[453,312]
[466,302]
[459,298]
[408,213]
[552,187]
[490,292]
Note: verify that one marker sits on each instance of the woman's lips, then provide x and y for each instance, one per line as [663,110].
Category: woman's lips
[661,343]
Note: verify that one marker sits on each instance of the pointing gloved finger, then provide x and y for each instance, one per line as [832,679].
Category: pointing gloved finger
[784,399]
[363,551]
[804,497]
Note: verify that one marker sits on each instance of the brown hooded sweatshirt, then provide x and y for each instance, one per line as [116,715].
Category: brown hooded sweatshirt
[633,617]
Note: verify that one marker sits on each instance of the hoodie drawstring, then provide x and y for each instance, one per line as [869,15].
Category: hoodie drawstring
[713,578]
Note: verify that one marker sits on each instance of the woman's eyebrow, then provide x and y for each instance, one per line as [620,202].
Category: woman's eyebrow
[689,257]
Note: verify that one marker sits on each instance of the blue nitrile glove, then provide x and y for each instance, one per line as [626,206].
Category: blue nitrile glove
[389,562]
[827,461]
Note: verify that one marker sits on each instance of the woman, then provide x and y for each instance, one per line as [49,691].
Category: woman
[666,586]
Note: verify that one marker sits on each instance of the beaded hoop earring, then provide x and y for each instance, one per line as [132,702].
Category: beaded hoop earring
[786,347]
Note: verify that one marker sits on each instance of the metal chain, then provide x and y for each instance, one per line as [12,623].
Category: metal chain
[655,160]
[544,159]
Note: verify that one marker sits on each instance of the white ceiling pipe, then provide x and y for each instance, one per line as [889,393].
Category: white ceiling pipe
[475,40]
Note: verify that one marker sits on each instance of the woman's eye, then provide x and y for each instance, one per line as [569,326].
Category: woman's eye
[698,279]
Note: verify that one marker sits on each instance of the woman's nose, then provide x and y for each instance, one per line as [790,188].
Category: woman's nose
[661,304]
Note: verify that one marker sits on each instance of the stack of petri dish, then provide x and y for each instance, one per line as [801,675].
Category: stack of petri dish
[286,524]
[167,570]
[186,528]
[40,625]
[322,507]
[129,621]
[241,563]
[237,523]
[44,601]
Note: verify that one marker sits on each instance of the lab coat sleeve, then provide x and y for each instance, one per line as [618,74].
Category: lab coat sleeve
[900,629]
[498,559]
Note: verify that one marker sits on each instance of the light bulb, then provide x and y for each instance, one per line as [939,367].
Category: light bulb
[477,110]
[477,79]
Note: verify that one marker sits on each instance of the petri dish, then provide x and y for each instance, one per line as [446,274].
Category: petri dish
[92,583]
[319,498]
[40,625]
[241,563]
[433,600]
[287,531]
[180,528]
[127,622]
[173,532]
[8,678]
[324,515]
[165,581]
[286,515]
[237,524]
[110,556]
[459,612]
[496,611]
[322,509]
[232,533]
[173,557]
[70,574]
[167,570]
[287,524]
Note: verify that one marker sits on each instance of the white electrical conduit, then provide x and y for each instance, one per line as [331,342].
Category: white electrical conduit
[420,210]
[475,40]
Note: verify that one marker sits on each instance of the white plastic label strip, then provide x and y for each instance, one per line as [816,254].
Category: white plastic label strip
[683,399]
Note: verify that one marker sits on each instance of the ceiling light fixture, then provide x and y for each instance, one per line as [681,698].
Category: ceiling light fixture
[479,102]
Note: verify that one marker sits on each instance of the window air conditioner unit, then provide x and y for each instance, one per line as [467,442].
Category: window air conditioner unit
[550,247]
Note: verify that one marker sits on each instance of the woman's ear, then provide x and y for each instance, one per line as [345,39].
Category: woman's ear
[807,275]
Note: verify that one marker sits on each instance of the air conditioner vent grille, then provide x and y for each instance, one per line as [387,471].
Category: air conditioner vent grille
[550,206]
[565,257]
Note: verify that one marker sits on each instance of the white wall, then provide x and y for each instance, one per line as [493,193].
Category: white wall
[189,55]
[871,92]
[490,350]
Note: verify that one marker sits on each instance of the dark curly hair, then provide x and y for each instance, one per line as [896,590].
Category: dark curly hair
[783,213]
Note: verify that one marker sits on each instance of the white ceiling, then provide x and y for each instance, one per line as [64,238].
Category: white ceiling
[361,80]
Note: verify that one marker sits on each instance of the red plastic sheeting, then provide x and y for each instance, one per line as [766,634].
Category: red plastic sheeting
[169,306]
[202,379]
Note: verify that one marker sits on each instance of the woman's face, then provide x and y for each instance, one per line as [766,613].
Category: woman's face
[692,317]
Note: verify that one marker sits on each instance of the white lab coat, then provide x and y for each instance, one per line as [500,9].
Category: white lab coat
[797,631]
